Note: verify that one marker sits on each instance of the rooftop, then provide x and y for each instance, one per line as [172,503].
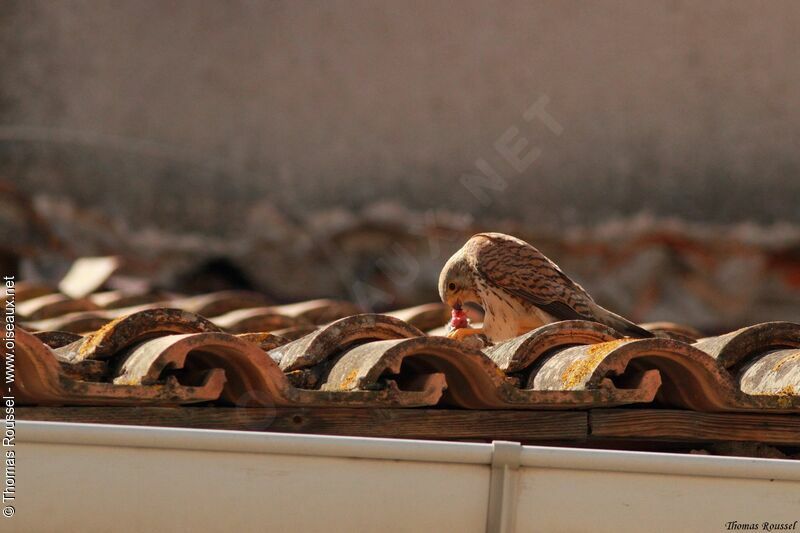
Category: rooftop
[321,366]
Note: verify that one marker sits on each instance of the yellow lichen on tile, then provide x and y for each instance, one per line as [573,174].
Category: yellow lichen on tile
[779,364]
[578,370]
[97,337]
[348,380]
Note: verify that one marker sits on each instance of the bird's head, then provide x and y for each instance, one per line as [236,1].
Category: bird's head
[457,283]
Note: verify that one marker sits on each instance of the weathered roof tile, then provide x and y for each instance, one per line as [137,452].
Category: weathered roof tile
[52,305]
[332,339]
[218,303]
[256,319]
[473,380]
[240,350]
[42,380]
[521,352]
[318,311]
[740,345]
[128,330]
[424,317]
[253,378]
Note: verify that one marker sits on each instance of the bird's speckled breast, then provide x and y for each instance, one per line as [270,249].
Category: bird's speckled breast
[507,316]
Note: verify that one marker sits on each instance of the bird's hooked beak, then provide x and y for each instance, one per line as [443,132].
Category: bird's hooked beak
[456,301]
[473,309]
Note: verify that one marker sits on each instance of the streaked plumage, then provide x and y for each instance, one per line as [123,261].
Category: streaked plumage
[519,288]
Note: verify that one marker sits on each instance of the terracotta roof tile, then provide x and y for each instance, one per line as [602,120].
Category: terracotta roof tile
[521,352]
[743,344]
[57,339]
[233,311]
[296,332]
[257,319]
[25,290]
[125,331]
[253,377]
[306,354]
[775,375]
[52,305]
[424,317]
[78,323]
[673,331]
[473,380]
[120,299]
[41,380]
[265,341]
[691,378]
[218,303]
[328,341]
[318,311]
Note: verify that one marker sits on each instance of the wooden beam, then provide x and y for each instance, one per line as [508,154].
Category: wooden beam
[440,424]
[690,426]
[599,427]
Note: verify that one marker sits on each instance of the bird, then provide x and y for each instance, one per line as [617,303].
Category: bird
[519,289]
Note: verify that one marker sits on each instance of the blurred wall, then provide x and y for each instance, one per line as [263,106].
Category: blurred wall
[192,113]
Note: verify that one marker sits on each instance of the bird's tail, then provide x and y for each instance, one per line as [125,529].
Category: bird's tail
[623,325]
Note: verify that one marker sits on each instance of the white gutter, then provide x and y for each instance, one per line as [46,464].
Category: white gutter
[251,442]
[669,464]
[308,482]
[403,450]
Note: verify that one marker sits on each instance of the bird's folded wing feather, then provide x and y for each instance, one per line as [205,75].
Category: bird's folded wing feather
[523,271]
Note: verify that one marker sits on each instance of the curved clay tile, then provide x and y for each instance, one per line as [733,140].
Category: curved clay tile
[521,352]
[265,341]
[473,380]
[125,331]
[57,339]
[441,331]
[125,311]
[318,311]
[27,290]
[691,378]
[776,373]
[52,305]
[256,319]
[41,380]
[221,302]
[121,299]
[81,322]
[88,370]
[295,332]
[247,367]
[253,378]
[671,330]
[741,345]
[85,321]
[425,317]
[329,340]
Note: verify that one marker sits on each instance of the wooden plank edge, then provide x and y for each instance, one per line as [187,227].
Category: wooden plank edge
[691,426]
[439,424]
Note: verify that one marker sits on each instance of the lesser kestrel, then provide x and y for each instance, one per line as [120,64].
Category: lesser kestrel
[519,289]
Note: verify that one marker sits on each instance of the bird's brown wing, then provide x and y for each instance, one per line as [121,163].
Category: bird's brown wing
[523,271]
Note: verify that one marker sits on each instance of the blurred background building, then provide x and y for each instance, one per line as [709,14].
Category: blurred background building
[346,149]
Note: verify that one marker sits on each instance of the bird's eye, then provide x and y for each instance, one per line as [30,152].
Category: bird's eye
[452,286]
